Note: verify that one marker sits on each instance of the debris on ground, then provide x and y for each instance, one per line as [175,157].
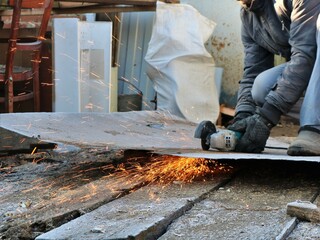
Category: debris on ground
[304,210]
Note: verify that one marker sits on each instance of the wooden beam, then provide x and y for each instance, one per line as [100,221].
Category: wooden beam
[226,110]
[103,9]
[118,2]
[170,1]
[304,210]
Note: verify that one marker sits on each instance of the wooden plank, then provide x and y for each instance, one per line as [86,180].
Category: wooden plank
[103,9]
[287,229]
[304,210]
[33,12]
[144,214]
[47,190]
[32,3]
[252,206]
[306,228]
[226,110]
[124,2]
[96,6]
[107,6]
[87,9]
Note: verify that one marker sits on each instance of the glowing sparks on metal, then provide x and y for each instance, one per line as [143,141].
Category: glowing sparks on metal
[168,169]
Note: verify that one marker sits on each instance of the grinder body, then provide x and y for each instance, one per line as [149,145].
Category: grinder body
[222,140]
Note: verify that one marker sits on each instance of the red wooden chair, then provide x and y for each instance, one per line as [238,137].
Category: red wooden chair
[19,83]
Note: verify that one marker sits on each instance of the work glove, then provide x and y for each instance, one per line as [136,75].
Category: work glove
[239,116]
[255,132]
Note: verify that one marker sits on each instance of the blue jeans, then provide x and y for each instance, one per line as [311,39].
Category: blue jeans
[310,109]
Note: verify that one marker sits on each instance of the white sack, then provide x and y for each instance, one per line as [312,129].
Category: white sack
[178,64]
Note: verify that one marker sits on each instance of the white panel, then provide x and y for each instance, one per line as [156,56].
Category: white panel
[66,65]
[89,48]
[95,68]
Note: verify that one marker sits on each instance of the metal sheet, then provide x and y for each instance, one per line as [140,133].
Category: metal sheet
[12,141]
[142,130]
[268,154]
[275,150]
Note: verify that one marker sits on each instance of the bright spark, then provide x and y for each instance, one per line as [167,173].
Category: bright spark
[168,169]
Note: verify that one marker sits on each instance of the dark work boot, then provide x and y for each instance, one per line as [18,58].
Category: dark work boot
[306,144]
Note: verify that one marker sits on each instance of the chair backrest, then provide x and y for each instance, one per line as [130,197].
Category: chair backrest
[31,3]
[16,43]
[18,5]
[33,44]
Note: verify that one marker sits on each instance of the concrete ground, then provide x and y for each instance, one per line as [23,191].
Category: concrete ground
[97,185]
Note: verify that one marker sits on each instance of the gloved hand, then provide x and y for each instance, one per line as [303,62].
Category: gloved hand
[239,116]
[255,130]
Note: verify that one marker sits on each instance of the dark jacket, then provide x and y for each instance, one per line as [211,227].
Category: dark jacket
[282,27]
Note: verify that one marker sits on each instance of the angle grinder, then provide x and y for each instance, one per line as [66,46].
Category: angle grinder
[222,139]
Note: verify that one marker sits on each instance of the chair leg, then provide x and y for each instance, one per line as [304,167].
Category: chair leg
[36,82]
[9,78]
[9,95]
[36,91]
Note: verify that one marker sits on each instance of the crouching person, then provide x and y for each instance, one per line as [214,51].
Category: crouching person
[288,28]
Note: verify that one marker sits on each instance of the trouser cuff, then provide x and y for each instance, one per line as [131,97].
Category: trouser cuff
[310,128]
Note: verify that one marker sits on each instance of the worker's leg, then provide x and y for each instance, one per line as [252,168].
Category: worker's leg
[308,141]
[310,110]
[264,83]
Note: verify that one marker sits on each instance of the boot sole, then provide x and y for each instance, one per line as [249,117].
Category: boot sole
[301,151]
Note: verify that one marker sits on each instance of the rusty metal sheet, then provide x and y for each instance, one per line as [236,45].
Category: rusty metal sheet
[12,141]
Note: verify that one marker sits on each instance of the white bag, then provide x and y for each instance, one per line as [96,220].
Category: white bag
[178,64]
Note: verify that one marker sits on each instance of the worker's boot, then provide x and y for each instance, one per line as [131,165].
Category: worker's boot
[306,144]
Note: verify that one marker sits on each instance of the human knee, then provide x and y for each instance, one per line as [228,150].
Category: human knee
[259,91]
[264,82]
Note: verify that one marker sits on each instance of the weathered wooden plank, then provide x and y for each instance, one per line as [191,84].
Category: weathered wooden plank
[304,210]
[252,206]
[306,230]
[144,214]
[287,229]
[47,192]
[125,2]
[103,9]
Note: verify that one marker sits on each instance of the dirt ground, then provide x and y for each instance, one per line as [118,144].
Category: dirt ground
[288,127]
